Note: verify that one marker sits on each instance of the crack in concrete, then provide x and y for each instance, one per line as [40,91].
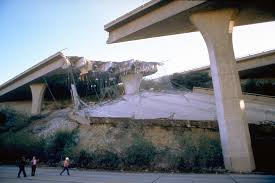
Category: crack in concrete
[233,179]
[157,179]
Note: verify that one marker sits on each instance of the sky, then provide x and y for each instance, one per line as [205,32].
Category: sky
[32,30]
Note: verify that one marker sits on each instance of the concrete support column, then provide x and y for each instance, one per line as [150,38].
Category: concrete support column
[216,28]
[131,83]
[38,91]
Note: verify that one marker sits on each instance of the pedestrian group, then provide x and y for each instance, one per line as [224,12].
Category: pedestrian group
[22,164]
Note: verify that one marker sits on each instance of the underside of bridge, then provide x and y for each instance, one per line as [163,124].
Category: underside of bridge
[259,72]
[215,21]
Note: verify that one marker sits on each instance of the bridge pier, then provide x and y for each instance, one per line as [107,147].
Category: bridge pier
[38,91]
[131,82]
[216,28]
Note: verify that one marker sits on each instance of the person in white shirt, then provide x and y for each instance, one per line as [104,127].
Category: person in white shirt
[33,162]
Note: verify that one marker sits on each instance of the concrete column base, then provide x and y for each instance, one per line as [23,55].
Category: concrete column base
[38,91]
[131,83]
[216,28]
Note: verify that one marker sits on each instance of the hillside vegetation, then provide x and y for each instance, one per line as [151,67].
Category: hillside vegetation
[125,146]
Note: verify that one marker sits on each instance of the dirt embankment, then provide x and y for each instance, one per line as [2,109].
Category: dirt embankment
[117,133]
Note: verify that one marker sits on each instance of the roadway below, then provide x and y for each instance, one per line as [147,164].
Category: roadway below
[8,174]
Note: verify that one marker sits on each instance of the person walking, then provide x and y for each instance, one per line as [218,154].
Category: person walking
[21,166]
[33,162]
[66,165]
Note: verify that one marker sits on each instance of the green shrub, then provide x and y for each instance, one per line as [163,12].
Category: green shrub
[15,145]
[140,153]
[106,159]
[259,86]
[166,159]
[188,81]
[162,83]
[61,145]
[11,120]
[199,151]
[84,159]
[101,158]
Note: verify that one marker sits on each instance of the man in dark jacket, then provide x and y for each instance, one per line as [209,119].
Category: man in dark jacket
[21,165]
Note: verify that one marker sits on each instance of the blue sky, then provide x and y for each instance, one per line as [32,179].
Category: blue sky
[32,30]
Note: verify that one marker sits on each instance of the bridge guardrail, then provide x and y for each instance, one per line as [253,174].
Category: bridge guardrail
[247,96]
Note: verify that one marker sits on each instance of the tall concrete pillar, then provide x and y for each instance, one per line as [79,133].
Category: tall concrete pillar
[38,91]
[216,28]
[131,82]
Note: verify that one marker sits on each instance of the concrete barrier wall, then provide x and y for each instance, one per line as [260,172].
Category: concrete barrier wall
[117,133]
[247,96]
[200,90]
[20,106]
[26,106]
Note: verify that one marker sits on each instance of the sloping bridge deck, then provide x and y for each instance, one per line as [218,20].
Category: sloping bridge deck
[266,58]
[190,106]
[48,65]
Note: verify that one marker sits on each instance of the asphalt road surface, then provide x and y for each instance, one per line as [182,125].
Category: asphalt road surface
[8,174]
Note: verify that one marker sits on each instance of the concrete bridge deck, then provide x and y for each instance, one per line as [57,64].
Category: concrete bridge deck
[8,175]
[178,105]
[260,65]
